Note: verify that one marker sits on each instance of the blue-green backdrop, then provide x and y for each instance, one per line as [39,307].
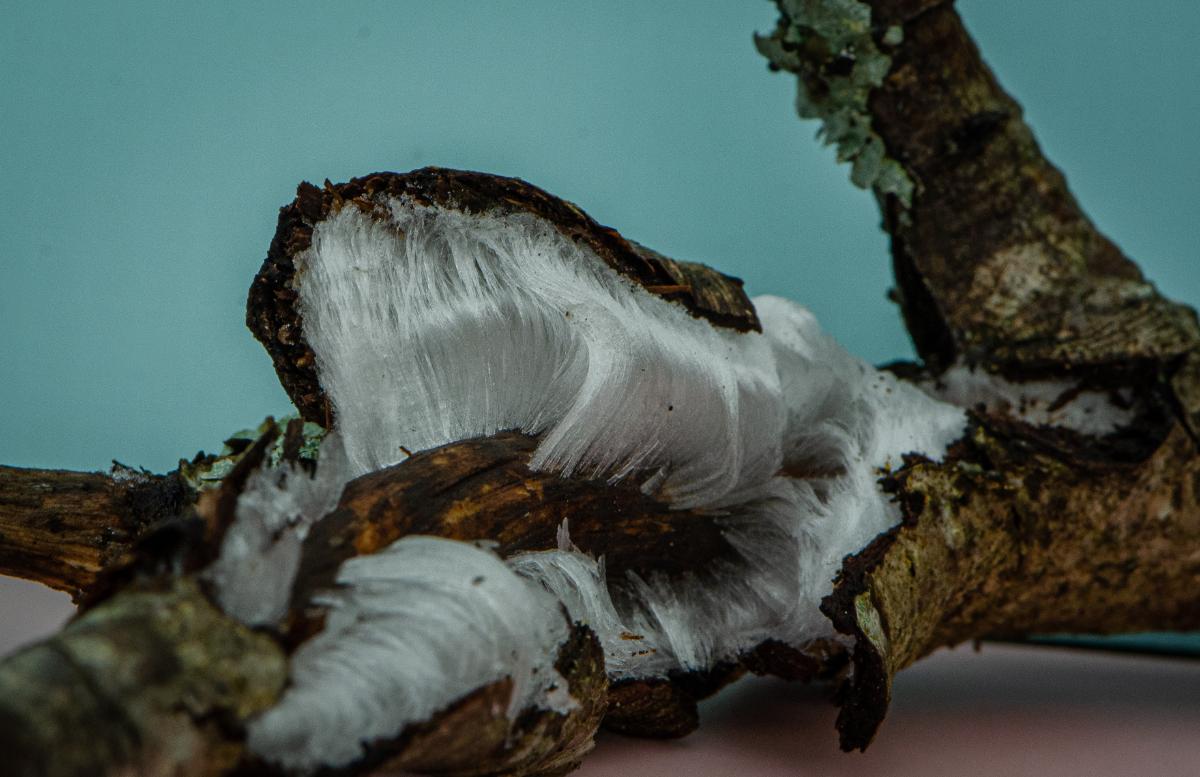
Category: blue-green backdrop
[145,148]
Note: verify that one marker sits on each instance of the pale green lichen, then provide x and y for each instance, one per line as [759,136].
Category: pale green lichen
[206,472]
[869,622]
[828,45]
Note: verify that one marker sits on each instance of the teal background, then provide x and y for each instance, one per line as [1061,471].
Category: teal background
[146,146]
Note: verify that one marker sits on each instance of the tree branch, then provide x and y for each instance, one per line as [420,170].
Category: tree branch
[1025,526]
[996,264]
[1025,529]
[153,681]
[63,528]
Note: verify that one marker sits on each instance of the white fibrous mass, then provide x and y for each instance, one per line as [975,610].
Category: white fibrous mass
[411,629]
[1055,403]
[434,325]
[441,326]
[260,553]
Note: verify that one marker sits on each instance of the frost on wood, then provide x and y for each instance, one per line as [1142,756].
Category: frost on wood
[260,553]
[435,326]
[1062,403]
[432,323]
[410,630]
[472,305]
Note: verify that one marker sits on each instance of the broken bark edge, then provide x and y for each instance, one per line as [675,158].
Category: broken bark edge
[865,695]
[63,529]
[272,313]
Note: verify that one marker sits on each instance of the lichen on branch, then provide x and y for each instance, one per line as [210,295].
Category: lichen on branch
[1009,293]
[831,46]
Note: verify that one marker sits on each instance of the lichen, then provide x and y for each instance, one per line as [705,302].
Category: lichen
[207,471]
[870,623]
[828,44]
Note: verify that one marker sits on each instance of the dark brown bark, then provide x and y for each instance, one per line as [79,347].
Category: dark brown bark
[122,669]
[477,489]
[474,736]
[62,528]
[995,262]
[1005,540]
[1018,277]
[484,490]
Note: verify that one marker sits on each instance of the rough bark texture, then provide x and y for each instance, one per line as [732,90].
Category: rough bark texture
[155,681]
[63,528]
[135,670]
[1006,540]
[1022,530]
[274,319]
[995,261]
[473,737]
[484,490]
[1017,275]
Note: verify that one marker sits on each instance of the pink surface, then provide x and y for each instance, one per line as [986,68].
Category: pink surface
[28,612]
[1002,712]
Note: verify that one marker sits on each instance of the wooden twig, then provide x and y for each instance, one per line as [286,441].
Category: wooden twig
[63,528]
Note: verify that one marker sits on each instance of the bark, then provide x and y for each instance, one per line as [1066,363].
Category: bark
[484,490]
[1006,540]
[100,672]
[474,737]
[995,261]
[63,528]
[154,681]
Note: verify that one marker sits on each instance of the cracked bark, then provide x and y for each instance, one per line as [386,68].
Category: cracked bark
[1020,530]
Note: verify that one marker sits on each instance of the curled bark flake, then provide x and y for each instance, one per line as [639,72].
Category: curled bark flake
[272,313]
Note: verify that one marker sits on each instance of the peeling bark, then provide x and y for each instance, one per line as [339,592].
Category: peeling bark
[273,317]
[166,682]
[483,489]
